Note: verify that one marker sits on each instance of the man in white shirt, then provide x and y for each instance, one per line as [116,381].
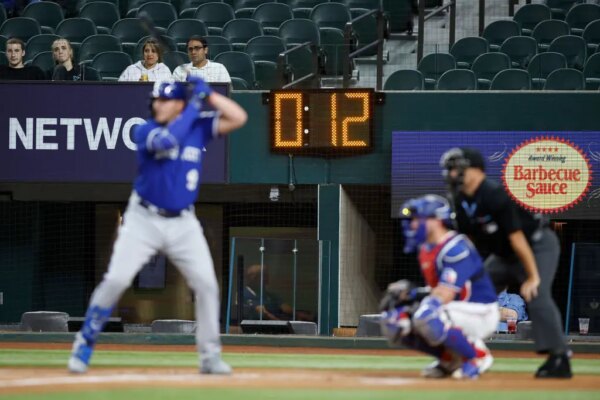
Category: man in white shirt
[200,66]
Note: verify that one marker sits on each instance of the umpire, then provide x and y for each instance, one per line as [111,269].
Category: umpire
[521,249]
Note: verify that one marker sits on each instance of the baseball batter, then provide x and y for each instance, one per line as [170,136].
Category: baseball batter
[160,216]
[459,309]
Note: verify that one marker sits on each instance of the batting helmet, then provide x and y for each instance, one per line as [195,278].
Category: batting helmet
[428,206]
[170,90]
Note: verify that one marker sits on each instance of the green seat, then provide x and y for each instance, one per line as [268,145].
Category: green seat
[97,44]
[45,62]
[365,31]
[365,4]
[39,44]
[573,48]
[565,79]
[457,79]
[580,16]
[299,63]
[400,15]
[182,29]
[238,83]
[467,49]
[138,53]
[133,6]
[511,79]
[188,7]
[266,75]
[2,15]
[111,64]
[271,16]
[3,40]
[405,79]
[330,15]
[23,28]
[432,66]
[529,15]
[129,31]
[487,65]
[498,31]
[560,8]
[239,65]
[591,35]
[546,31]
[48,14]
[3,59]
[215,16]
[117,3]
[239,31]
[89,74]
[103,14]
[245,8]
[217,45]
[591,72]
[76,30]
[173,59]
[161,14]
[332,42]
[520,49]
[296,31]
[542,64]
[265,48]
[302,8]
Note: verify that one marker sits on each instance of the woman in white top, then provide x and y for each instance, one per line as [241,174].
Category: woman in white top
[150,68]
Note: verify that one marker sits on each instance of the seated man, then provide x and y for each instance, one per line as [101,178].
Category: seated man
[200,65]
[458,309]
[16,69]
[511,306]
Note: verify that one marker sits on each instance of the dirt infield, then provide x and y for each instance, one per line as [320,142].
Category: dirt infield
[46,380]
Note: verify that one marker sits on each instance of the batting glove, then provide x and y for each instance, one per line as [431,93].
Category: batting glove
[201,88]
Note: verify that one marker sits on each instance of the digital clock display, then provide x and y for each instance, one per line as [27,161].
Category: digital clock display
[322,121]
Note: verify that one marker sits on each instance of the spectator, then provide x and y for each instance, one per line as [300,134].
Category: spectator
[511,306]
[150,68]
[16,70]
[201,66]
[66,69]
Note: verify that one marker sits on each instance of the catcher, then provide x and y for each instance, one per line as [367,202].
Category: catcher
[450,317]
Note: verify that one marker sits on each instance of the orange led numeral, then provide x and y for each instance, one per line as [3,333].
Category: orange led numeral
[346,122]
[279,99]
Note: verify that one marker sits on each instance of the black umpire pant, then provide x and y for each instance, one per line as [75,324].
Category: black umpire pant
[546,318]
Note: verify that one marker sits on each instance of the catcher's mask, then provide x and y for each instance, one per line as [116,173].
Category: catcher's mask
[421,208]
[459,159]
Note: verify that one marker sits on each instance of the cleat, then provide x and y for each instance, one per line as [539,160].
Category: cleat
[468,370]
[80,355]
[442,368]
[484,359]
[215,366]
[556,366]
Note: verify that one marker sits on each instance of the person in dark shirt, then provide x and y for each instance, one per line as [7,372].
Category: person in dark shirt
[522,251]
[16,70]
[66,69]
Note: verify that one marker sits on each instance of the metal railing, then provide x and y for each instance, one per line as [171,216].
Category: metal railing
[422,18]
[283,70]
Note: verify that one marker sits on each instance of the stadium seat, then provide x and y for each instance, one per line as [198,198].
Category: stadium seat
[45,62]
[364,4]
[117,3]
[20,27]
[299,63]
[405,79]
[215,16]
[76,30]
[103,14]
[457,79]
[173,59]
[295,31]
[239,31]
[511,79]
[97,44]
[162,14]
[529,15]
[138,53]
[498,31]
[302,8]
[188,7]
[591,35]
[47,13]
[271,16]
[467,49]
[3,59]
[182,29]
[541,65]
[546,31]
[565,79]
[432,66]
[330,15]
[238,83]
[265,48]
[591,72]
[520,49]
[366,32]
[2,14]
[129,31]
[573,48]
[332,42]
[133,6]
[89,74]
[245,8]
[238,65]
[217,45]
[487,65]
[560,8]
[39,44]
[266,75]
[111,64]
[3,40]
[580,16]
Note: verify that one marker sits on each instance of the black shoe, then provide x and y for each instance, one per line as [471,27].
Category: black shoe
[556,366]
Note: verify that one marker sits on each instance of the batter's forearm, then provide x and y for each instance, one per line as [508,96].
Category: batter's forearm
[232,115]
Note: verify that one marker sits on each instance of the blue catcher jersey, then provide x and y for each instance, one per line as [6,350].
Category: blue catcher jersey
[170,179]
[455,263]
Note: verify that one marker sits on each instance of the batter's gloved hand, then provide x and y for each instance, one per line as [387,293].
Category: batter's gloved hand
[399,293]
[201,88]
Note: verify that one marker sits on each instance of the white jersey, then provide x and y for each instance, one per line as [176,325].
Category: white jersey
[211,72]
[133,73]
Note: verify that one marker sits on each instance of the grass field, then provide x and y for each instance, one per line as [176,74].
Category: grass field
[255,367]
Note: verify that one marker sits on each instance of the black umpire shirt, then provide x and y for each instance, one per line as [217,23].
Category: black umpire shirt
[489,216]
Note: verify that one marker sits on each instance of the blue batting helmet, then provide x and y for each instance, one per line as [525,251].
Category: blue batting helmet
[428,206]
[170,90]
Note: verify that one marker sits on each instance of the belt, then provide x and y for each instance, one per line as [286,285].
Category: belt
[161,211]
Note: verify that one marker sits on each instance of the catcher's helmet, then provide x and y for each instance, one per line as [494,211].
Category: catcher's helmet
[170,90]
[428,206]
